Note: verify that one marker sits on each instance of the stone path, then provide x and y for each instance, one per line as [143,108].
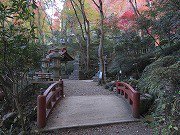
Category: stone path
[88,106]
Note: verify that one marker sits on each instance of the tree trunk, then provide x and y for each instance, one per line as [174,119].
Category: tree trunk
[88,45]
[84,30]
[79,40]
[5,91]
[101,57]
[82,48]
[100,50]
[16,100]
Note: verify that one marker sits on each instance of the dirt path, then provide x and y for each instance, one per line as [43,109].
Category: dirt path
[84,88]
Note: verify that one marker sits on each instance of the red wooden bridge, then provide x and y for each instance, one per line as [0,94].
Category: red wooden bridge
[75,111]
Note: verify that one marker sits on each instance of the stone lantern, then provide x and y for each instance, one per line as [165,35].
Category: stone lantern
[55,64]
[44,65]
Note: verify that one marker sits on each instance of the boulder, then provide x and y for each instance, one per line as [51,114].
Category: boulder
[110,85]
[95,77]
[114,89]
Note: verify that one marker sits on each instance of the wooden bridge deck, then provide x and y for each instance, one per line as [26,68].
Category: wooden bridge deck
[88,109]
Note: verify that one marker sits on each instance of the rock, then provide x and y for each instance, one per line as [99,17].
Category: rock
[114,89]
[148,95]
[146,101]
[8,119]
[110,85]
[95,79]
[113,81]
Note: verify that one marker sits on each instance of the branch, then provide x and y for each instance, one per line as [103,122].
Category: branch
[101,8]
[46,16]
[78,20]
[138,14]
[85,20]
[76,5]
[134,8]
[96,4]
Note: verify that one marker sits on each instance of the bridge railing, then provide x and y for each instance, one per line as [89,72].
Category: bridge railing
[131,95]
[47,101]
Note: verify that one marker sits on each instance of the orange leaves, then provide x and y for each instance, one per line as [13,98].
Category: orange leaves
[121,10]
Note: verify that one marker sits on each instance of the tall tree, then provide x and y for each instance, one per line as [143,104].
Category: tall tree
[70,24]
[99,5]
[85,26]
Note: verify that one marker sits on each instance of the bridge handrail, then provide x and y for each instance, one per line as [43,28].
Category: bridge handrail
[47,101]
[50,88]
[132,95]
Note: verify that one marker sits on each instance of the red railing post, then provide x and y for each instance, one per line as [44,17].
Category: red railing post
[117,88]
[41,111]
[136,105]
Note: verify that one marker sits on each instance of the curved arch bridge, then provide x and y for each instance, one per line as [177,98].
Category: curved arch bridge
[76,103]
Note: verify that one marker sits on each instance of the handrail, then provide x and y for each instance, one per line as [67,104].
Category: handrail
[47,101]
[130,94]
[52,86]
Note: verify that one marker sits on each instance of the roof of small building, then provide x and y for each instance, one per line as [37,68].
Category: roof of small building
[61,54]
